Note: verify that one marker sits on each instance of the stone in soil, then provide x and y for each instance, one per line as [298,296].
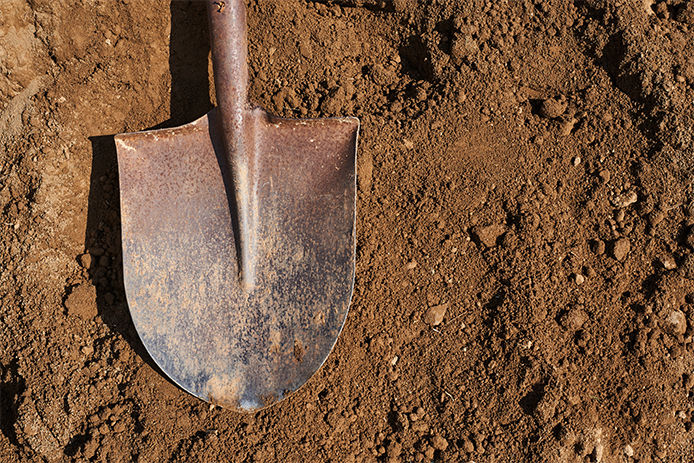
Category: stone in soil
[574,319]
[553,108]
[81,301]
[435,314]
[668,262]
[439,443]
[488,235]
[621,248]
[625,200]
[598,247]
[85,260]
[676,323]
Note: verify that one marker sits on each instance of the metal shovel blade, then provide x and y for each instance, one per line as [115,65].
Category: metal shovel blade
[243,347]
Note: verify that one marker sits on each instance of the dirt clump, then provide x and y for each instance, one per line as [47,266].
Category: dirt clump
[525,168]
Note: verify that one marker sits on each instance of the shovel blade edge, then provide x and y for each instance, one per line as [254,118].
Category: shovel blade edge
[242,349]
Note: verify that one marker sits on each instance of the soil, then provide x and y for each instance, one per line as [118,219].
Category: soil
[525,269]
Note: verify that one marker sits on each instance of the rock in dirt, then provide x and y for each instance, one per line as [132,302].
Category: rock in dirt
[439,443]
[676,323]
[621,248]
[655,217]
[435,314]
[604,175]
[394,449]
[553,108]
[625,200]
[488,235]
[44,436]
[628,450]
[598,247]
[81,301]
[668,262]
[574,319]
[468,446]
[463,46]
[567,126]
[85,260]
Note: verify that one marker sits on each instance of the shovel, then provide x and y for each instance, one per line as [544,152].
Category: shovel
[238,237]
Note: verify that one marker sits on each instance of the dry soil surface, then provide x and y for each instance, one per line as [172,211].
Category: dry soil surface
[525,260]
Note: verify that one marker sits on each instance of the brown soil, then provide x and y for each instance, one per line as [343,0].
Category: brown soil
[525,272]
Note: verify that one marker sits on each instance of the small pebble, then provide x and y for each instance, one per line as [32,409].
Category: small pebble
[439,443]
[628,450]
[411,265]
[579,279]
[85,260]
[576,161]
[394,449]
[435,314]
[621,249]
[488,235]
[598,452]
[429,453]
[418,414]
[119,427]
[668,262]
[553,108]
[468,446]
[687,267]
[87,350]
[567,127]
[676,322]
[598,247]
[574,319]
[625,200]
[655,217]
[604,175]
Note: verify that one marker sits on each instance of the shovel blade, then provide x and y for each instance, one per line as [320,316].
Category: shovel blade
[239,348]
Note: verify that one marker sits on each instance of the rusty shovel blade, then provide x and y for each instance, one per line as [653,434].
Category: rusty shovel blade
[238,242]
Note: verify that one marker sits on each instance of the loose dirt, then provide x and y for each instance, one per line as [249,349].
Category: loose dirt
[525,272]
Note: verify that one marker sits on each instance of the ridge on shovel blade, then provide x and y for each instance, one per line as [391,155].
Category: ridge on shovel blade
[238,238]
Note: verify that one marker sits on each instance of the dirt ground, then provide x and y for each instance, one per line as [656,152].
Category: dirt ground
[525,256]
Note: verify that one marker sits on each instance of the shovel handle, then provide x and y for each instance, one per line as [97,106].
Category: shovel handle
[229,43]
[228,40]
